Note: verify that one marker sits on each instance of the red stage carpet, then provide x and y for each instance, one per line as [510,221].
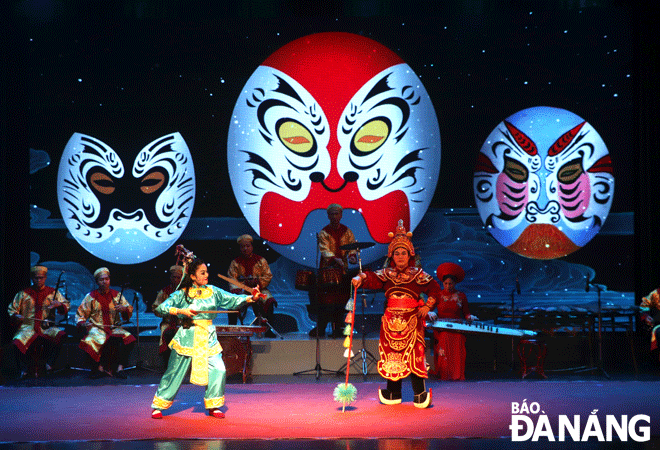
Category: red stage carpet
[301,410]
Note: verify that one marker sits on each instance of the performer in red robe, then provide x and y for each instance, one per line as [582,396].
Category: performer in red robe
[449,348]
[401,346]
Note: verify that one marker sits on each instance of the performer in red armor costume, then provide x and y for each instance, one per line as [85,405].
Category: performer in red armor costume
[401,346]
[449,348]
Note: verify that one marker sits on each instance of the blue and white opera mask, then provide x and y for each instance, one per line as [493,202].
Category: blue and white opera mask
[126,218]
[544,182]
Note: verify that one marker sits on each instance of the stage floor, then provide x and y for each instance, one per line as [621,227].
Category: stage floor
[68,411]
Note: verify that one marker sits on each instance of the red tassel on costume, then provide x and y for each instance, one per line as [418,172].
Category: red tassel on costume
[350,318]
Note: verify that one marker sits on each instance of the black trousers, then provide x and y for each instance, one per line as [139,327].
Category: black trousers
[418,384]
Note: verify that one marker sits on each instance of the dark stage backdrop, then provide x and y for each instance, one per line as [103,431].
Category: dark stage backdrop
[129,72]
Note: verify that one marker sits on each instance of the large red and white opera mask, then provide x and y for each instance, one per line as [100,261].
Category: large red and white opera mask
[332,118]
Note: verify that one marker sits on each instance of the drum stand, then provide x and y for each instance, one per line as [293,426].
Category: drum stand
[600,336]
[260,321]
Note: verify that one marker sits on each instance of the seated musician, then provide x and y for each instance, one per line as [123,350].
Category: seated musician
[252,270]
[650,315]
[30,310]
[170,323]
[449,348]
[332,298]
[100,314]
[402,347]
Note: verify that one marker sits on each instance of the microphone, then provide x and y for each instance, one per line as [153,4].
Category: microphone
[517,286]
[586,286]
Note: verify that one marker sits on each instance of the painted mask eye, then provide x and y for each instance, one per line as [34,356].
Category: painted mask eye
[371,135]
[514,170]
[570,172]
[295,136]
[152,182]
[102,183]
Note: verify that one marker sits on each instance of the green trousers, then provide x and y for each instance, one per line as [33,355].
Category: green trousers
[178,365]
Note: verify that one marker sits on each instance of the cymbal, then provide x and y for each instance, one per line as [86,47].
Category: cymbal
[357,245]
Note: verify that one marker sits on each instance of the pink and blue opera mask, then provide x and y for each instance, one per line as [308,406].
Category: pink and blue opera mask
[332,118]
[122,218]
[543,182]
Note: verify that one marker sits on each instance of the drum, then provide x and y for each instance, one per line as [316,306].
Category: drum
[330,277]
[304,280]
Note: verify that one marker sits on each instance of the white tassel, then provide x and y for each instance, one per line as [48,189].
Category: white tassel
[346,353]
[349,305]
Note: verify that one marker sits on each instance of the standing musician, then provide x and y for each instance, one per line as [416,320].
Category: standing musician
[100,314]
[31,309]
[333,297]
[449,348]
[401,345]
[252,270]
[170,324]
[196,341]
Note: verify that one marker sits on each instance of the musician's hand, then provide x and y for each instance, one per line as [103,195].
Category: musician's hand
[357,280]
[432,316]
[339,262]
[471,318]
[352,258]
[84,324]
[55,304]
[648,320]
[121,308]
[423,312]
[188,312]
[256,295]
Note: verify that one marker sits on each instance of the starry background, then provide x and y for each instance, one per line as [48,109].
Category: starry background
[130,71]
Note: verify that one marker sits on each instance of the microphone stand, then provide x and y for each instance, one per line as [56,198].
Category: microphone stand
[138,362]
[600,367]
[318,370]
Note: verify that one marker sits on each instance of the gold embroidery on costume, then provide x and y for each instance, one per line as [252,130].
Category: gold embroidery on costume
[210,403]
[159,403]
[199,374]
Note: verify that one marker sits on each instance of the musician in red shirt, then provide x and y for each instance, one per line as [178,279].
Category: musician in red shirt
[449,348]
[402,346]
[334,283]
[252,270]
[30,309]
[101,313]
[170,324]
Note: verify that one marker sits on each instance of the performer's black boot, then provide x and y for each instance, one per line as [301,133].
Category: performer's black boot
[389,398]
[391,395]
[423,400]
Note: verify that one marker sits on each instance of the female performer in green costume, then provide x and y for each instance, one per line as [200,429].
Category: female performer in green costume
[197,344]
